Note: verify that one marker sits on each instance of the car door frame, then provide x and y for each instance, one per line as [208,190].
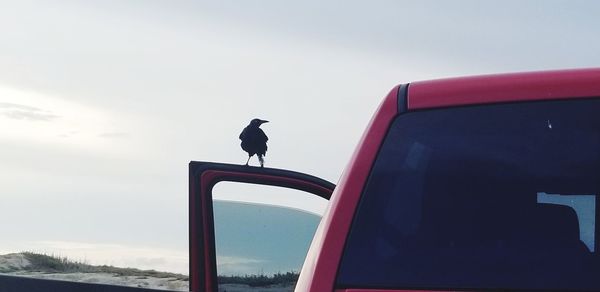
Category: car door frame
[203,176]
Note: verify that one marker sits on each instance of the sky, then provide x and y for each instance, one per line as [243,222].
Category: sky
[104,103]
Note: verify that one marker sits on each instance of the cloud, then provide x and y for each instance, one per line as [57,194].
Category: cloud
[18,106]
[111,135]
[25,112]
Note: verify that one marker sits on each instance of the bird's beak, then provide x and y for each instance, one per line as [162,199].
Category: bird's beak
[263,121]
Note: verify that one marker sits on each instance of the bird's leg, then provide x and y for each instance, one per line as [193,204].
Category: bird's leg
[261,160]
[248,160]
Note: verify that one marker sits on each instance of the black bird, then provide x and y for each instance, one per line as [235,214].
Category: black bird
[254,140]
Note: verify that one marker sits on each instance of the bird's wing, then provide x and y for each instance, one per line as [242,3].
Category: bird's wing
[262,136]
[243,134]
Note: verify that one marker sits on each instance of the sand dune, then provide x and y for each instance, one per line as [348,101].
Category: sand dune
[18,264]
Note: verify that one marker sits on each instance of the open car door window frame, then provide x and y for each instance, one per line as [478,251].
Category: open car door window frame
[203,176]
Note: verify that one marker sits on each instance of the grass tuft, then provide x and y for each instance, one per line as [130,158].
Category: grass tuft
[45,263]
[54,264]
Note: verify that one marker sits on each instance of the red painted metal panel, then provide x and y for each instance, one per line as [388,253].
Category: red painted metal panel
[321,265]
[208,239]
[576,83]
[194,265]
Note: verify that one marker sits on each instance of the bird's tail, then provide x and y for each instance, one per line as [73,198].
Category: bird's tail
[261,159]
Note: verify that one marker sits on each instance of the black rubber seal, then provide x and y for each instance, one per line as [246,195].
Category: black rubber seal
[403,98]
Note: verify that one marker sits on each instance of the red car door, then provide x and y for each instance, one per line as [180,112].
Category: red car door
[202,178]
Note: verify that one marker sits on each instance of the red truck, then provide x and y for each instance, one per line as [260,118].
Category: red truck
[484,183]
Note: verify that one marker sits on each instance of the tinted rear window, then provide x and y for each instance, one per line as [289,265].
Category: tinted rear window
[484,197]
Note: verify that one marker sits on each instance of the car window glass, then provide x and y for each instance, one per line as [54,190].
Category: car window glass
[495,196]
[262,234]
